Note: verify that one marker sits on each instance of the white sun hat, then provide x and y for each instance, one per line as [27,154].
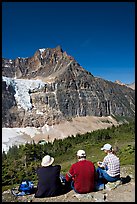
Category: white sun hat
[106,147]
[47,160]
[81,153]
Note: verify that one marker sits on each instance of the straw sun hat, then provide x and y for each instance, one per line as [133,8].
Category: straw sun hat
[47,161]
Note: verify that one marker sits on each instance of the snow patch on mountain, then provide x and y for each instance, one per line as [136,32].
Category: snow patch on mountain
[10,136]
[15,136]
[41,51]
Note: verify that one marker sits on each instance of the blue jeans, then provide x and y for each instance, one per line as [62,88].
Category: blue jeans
[102,173]
[72,186]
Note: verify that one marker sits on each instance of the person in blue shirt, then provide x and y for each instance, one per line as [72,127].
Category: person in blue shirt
[49,183]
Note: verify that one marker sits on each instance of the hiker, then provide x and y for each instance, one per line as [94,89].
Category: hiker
[49,183]
[82,174]
[109,169]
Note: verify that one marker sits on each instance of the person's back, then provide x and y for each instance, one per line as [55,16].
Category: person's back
[113,164]
[109,169]
[83,175]
[49,183]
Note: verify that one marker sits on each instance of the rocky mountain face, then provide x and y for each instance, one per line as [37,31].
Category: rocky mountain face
[51,86]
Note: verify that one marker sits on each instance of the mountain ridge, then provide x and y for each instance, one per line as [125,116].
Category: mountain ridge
[131,85]
[68,91]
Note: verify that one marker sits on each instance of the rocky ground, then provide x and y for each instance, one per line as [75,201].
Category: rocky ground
[118,192]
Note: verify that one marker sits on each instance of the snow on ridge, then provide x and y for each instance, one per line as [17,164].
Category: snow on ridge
[22,88]
[41,51]
[22,58]
[10,61]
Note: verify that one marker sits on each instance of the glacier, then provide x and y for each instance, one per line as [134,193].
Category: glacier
[22,88]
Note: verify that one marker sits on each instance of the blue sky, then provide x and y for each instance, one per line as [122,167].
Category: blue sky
[99,35]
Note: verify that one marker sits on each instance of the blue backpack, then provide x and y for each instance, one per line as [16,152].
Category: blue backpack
[25,188]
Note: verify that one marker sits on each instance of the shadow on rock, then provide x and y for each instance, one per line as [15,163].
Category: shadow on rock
[65,189]
[126,179]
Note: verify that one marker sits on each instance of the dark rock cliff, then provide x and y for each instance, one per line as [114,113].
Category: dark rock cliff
[68,91]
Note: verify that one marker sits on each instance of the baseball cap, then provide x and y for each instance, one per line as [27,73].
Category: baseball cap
[106,147]
[81,153]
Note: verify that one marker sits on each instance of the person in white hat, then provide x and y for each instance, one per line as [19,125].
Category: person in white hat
[109,169]
[82,174]
[49,183]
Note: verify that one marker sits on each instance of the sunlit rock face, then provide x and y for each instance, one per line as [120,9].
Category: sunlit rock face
[51,86]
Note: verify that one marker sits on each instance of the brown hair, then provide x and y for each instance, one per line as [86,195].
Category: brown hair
[115,150]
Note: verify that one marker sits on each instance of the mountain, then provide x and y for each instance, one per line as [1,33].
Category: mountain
[51,87]
[132,85]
